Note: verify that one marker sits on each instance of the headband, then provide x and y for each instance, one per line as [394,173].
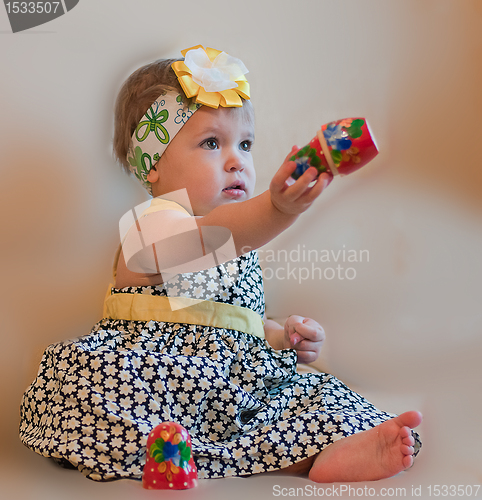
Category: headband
[208,77]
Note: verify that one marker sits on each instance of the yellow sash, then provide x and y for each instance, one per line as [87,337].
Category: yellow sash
[140,307]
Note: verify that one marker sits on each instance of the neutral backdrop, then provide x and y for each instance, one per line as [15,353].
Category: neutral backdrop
[407,329]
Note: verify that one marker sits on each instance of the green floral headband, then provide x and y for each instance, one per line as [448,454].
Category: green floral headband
[162,121]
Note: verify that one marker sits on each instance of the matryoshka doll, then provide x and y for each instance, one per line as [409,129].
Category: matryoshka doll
[339,148]
[169,464]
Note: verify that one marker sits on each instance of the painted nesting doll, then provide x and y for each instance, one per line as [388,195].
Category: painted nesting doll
[170,464]
[339,147]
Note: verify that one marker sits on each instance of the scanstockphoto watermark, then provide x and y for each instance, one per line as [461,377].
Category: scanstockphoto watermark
[302,263]
[332,490]
[346,490]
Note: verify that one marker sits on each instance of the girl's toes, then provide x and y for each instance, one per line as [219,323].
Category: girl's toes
[409,441]
[407,461]
[405,432]
[406,450]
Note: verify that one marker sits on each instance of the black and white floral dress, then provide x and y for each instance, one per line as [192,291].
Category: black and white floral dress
[96,398]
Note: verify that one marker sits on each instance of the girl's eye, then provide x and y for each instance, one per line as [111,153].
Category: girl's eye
[211,143]
[246,146]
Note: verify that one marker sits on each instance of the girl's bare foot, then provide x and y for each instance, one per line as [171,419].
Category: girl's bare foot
[377,453]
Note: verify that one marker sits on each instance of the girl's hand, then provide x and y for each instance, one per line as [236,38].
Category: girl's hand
[296,196]
[305,336]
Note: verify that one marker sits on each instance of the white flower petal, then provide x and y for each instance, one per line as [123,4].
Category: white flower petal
[217,75]
[230,65]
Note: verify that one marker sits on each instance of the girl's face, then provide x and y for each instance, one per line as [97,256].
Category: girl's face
[211,158]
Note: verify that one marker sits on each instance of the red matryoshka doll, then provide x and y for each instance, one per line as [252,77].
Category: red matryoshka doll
[340,147]
[170,464]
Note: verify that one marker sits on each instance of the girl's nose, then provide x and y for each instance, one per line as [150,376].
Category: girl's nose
[234,162]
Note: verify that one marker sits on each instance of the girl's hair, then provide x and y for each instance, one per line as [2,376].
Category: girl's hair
[138,93]
[135,97]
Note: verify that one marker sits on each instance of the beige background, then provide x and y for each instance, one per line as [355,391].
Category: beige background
[406,331]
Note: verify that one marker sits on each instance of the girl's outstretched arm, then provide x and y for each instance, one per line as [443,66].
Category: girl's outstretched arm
[256,221]
[175,242]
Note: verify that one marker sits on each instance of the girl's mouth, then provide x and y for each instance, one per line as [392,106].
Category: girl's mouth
[237,188]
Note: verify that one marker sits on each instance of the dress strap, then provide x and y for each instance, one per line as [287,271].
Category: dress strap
[116,261]
[140,307]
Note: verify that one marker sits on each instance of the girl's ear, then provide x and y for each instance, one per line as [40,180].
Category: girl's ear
[153,175]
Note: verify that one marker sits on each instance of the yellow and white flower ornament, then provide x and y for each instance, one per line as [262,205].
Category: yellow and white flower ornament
[213,77]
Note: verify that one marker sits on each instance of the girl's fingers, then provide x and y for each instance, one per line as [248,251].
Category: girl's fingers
[295,338]
[297,192]
[321,184]
[307,357]
[282,175]
[308,345]
[285,171]
[297,189]
[311,333]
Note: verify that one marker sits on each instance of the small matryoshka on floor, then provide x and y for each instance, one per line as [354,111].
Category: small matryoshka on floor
[169,463]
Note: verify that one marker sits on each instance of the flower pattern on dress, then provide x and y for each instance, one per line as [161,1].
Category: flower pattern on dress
[96,398]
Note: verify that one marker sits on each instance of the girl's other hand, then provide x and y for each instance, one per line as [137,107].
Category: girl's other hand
[305,336]
[295,197]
